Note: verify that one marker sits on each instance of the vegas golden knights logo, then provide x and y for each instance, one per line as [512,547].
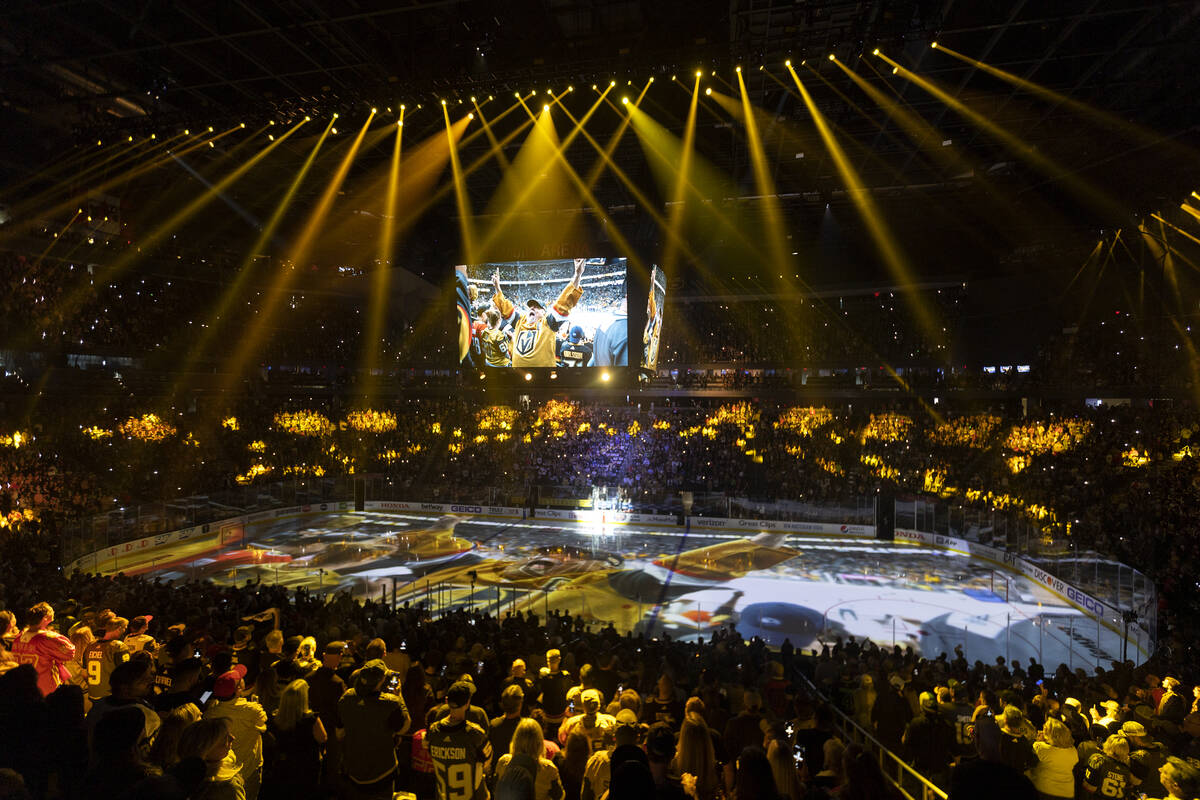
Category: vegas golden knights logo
[524,342]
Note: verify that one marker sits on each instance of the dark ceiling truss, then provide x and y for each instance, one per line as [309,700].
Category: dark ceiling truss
[282,59]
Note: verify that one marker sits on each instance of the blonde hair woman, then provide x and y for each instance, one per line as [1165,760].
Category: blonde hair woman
[783,770]
[1108,771]
[1054,774]
[300,738]
[306,655]
[694,756]
[528,751]
[164,753]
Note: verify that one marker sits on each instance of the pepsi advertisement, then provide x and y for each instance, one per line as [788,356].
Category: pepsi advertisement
[560,313]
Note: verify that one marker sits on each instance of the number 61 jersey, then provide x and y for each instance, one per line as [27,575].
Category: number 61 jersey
[460,754]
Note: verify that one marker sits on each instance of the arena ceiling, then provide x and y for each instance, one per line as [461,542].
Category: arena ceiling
[74,70]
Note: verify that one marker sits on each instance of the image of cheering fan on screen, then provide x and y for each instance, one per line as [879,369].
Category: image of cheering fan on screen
[534,332]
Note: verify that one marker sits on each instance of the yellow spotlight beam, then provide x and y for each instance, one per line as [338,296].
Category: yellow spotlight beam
[1176,228]
[675,215]
[432,198]
[766,185]
[605,159]
[28,208]
[920,132]
[299,250]
[648,130]
[57,237]
[588,197]
[881,234]
[529,188]
[1190,210]
[120,157]
[1027,152]
[233,292]
[74,169]
[605,154]
[466,223]
[381,280]
[96,157]
[491,136]
[114,268]
[1109,120]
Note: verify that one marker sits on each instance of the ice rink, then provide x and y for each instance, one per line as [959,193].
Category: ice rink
[778,586]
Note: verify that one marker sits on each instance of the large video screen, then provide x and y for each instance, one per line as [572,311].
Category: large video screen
[652,335]
[570,312]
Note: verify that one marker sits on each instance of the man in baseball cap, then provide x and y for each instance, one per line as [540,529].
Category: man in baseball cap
[247,721]
[371,718]
[1146,758]
[597,727]
[624,746]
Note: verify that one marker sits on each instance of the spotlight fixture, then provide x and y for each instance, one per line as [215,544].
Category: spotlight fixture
[546,107]
[443,102]
[528,376]
[875,52]
[271,136]
[895,70]
[572,88]
[832,57]
[594,87]
[471,115]
[242,125]
[472,99]
[933,45]
[131,138]
[333,131]
[154,136]
[517,95]
[708,91]
[374,110]
[625,101]
[399,123]
[604,376]
[335,116]
[210,128]
[787,63]
[402,107]
[737,69]
[272,122]
[612,83]
[489,98]
[186,132]
[307,118]
[698,73]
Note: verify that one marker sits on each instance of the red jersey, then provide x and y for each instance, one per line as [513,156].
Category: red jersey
[47,652]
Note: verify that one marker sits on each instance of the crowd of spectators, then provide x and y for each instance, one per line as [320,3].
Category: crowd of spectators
[127,687]
[59,305]
[1117,480]
[852,329]
[156,314]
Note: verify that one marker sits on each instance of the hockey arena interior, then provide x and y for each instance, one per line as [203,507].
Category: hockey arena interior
[577,400]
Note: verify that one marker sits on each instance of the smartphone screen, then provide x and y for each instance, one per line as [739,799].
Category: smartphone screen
[204,698]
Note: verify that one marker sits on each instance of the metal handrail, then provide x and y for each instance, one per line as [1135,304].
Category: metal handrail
[858,734]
